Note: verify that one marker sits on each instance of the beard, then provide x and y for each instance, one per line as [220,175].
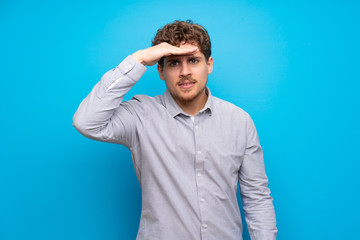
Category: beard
[188,96]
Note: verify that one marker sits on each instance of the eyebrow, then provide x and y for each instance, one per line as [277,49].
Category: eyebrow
[177,57]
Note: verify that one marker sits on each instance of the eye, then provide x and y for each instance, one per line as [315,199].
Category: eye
[173,63]
[193,60]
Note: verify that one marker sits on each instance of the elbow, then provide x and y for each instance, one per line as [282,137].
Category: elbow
[89,129]
[76,124]
[79,123]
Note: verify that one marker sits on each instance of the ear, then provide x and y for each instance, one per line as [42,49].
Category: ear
[210,65]
[160,71]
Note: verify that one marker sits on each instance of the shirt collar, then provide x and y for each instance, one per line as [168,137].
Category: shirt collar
[174,109]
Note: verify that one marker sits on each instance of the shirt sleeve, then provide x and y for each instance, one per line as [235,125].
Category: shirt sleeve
[255,194]
[102,115]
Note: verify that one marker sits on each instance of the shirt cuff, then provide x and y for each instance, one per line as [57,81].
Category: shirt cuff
[263,235]
[131,68]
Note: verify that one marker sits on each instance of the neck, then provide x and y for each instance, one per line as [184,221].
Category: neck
[193,106]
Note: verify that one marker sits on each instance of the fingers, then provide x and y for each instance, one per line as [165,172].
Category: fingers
[182,50]
[150,56]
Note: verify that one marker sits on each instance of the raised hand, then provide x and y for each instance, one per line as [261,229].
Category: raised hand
[152,55]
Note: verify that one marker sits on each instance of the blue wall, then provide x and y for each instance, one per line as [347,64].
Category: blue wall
[293,65]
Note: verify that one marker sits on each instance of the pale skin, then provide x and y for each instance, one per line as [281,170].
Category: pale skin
[185,71]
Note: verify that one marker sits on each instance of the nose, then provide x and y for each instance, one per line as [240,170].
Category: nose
[185,69]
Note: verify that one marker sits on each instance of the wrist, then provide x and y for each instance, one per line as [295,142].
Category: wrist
[138,57]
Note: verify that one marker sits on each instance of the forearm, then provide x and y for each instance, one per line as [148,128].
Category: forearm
[258,208]
[96,110]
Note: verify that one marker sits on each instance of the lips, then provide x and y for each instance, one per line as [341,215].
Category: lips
[186,84]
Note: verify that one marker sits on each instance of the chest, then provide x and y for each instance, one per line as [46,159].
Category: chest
[211,143]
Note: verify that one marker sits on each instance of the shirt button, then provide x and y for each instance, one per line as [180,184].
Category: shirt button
[199,174]
[202,200]
[196,127]
[204,226]
[199,152]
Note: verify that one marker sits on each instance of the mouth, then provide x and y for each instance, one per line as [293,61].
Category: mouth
[186,84]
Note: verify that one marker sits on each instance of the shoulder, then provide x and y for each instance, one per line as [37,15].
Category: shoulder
[145,104]
[226,108]
[142,99]
[148,100]
[234,120]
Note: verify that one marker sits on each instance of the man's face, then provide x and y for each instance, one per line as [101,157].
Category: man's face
[186,75]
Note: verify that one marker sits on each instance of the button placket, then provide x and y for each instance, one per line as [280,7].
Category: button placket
[200,180]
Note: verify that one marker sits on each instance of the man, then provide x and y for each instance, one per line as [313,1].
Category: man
[189,149]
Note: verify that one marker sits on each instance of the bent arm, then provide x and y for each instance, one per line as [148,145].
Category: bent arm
[102,115]
[255,194]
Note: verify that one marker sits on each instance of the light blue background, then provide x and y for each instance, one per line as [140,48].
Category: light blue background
[292,65]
